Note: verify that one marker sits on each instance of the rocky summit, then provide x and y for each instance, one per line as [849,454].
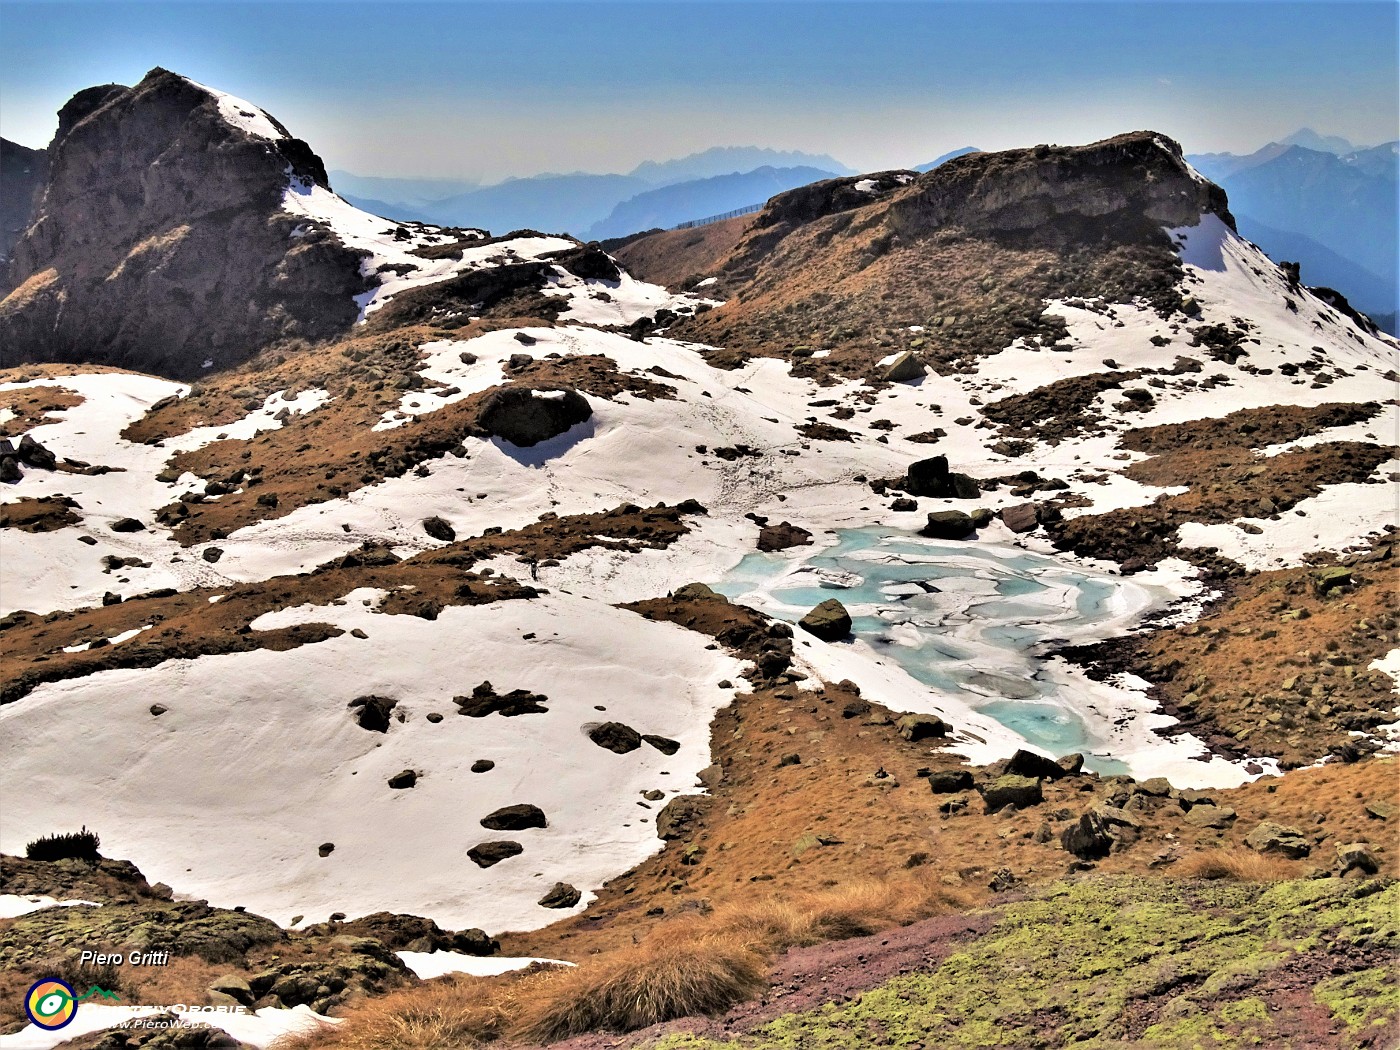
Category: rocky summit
[939,608]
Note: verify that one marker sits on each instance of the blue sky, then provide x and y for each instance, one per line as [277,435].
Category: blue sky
[487,90]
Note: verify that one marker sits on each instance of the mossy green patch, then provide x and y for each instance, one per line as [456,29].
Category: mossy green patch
[1116,961]
[1361,1000]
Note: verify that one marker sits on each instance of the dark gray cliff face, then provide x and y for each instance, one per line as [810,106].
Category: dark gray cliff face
[22,172]
[158,241]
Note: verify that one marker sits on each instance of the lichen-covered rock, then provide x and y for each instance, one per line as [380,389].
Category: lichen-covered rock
[1270,837]
[920,727]
[1012,790]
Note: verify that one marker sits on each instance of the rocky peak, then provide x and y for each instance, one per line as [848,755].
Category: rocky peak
[159,241]
[1134,178]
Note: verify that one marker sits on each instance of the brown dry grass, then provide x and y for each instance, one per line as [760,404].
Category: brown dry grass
[451,1013]
[663,978]
[1237,865]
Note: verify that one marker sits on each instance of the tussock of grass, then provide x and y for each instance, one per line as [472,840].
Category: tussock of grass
[452,1013]
[659,980]
[1237,865]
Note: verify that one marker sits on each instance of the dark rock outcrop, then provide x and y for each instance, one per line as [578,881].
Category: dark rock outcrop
[159,241]
[525,416]
[931,477]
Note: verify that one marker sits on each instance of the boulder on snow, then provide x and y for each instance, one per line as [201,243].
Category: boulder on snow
[829,621]
[948,525]
[485,854]
[904,367]
[561,895]
[664,744]
[931,477]
[372,712]
[515,818]
[525,416]
[439,529]
[781,537]
[1024,517]
[615,737]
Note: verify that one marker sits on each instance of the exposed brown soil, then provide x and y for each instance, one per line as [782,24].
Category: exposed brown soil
[1226,484]
[187,624]
[1276,668]
[46,514]
[677,258]
[328,453]
[33,405]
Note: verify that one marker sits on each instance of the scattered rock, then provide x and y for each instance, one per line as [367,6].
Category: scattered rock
[485,854]
[127,525]
[829,621]
[406,779]
[904,503]
[782,536]
[920,727]
[1356,856]
[945,782]
[1029,764]
[439,529]
[515,818]
[1012,790]
[681,814]
[947,525]
[615,737]
[325,849]
[486,701]
[1270,837]
[1210,816]
[158,709]
[483,765]
[562,895]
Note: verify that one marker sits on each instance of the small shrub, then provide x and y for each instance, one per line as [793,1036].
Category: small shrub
[74,845]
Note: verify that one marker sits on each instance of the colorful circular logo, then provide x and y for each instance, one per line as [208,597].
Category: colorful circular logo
[51,1004]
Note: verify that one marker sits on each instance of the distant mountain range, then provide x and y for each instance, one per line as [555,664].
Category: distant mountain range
[1319,201]
[715,180]
[701,198]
